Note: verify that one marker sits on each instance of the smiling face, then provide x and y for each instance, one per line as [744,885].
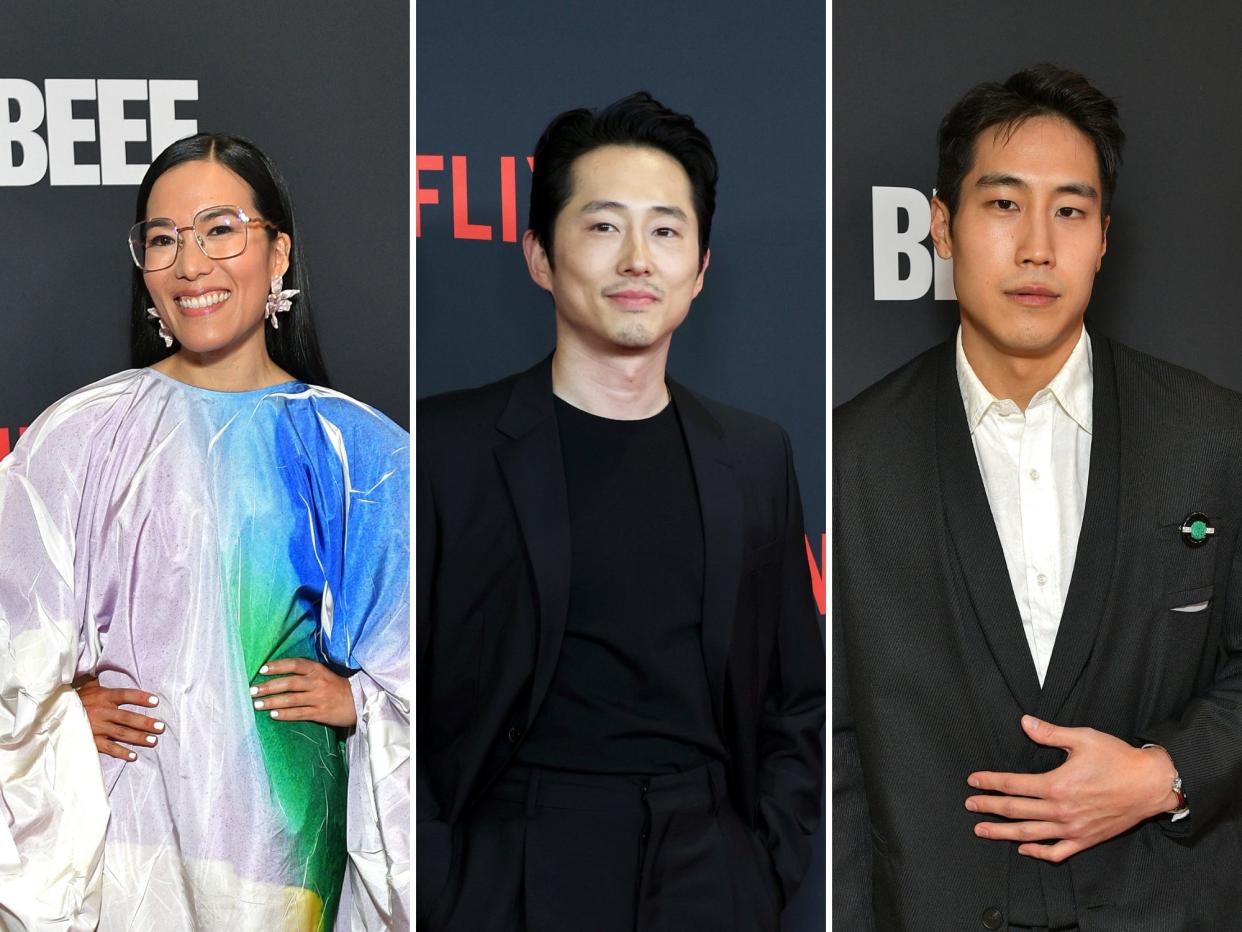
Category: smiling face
[1026,241]
[626,252]
[214,307]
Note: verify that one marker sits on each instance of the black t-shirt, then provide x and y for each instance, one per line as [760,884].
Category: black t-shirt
[630,691]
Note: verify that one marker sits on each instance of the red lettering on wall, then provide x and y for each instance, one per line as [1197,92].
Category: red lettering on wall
[425,163]
[462,227]
[817,572]
[508,199]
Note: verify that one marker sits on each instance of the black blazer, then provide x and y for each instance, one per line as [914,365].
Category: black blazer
[493,588]
[932,671]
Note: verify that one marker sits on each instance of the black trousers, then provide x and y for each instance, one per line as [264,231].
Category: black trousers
[546,851]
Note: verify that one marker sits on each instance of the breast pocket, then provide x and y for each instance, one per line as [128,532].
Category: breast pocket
[1190,602]
[1187,573]
[1183,631]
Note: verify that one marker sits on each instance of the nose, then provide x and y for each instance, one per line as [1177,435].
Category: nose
[635,254]
[1035,245]
[191,262]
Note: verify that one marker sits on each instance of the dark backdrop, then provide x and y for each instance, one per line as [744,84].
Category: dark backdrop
[322,86]
[1169,282]
[489,78]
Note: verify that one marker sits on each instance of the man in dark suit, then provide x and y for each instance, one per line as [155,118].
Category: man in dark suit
[620,681]
[1037,626]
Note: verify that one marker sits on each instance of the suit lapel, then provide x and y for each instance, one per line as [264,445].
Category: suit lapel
[720,506]
[535,474]
[1097,542]
[973,533]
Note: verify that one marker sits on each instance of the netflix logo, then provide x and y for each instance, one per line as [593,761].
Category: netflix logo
[498,178]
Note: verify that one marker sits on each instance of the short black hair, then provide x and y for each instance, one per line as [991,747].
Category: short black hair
[1042,90]
[295,346]
[636,120]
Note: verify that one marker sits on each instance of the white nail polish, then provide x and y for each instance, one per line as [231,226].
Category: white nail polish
[151,739]
[263,669]
[133,756]
[154,700]
[258,703]
[275,713]
[254,690]
[158,726]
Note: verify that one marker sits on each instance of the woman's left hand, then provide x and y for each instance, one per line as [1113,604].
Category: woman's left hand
[304,691]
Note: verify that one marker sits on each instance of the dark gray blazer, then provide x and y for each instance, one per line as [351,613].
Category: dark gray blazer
[932,671]
[493,592]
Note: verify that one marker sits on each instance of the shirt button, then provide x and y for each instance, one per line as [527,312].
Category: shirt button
[1034,475]
[515,735]
[1041,579]
[992,918]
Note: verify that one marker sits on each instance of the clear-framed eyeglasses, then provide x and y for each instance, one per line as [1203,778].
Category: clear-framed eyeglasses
[220,232]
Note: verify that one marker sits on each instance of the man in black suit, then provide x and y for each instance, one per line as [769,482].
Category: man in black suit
[620,669]
[1037,626]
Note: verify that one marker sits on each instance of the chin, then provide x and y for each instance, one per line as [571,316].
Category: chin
[199,348]
[1041,340]
[214,342]
[634,336]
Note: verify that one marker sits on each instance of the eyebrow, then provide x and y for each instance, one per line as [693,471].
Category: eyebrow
[1002,180]
[592,207]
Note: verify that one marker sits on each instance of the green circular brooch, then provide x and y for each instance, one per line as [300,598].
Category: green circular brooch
[1196,528]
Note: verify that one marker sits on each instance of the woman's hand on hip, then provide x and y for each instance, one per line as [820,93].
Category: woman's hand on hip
[304,691]
[111,724]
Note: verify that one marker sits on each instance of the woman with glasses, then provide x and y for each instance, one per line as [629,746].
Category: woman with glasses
[217,539]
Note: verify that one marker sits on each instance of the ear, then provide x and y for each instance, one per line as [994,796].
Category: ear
[698,282]
[1103,241]
[279,264]
[537,263]
[941,236]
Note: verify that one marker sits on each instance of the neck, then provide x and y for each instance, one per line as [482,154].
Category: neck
[225,372]
[621,386]
[1015,377]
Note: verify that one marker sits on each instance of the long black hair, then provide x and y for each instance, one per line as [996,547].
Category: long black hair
[294,347]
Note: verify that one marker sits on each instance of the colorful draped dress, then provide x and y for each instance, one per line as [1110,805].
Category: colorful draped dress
[176,539]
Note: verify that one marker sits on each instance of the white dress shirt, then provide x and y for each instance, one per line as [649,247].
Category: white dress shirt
[1034,465]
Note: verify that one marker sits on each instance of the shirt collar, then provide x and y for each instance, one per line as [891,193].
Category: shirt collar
[1072,386]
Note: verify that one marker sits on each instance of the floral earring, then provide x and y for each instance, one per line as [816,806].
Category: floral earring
[278,302]
[165,333]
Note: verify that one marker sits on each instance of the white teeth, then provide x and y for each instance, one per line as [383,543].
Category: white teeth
[204,300]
